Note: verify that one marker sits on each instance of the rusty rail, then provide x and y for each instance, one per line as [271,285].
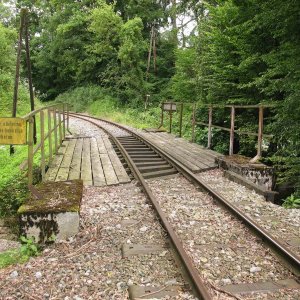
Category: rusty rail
[290,258]
[57,116]
[198,285]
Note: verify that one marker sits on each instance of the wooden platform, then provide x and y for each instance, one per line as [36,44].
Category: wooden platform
[195,157]
[91,159]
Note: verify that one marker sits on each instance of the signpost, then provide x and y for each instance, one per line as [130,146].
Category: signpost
[169,106]
[13,131]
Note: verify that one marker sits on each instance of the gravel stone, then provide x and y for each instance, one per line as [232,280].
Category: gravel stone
[284,224]
[221,247]
[90,266]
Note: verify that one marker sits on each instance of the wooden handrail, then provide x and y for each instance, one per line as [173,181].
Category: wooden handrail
[56,131]
[233,107]
[35,112]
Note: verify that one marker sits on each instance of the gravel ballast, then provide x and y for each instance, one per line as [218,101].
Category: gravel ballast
[221,247]
[282,223]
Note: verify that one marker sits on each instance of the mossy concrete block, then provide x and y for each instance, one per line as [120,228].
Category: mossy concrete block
[258,173]
[55,216]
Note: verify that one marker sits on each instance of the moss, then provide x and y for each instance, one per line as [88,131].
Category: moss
[57,197]
[244,162]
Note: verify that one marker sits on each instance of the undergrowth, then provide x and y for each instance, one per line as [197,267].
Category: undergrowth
[21,255]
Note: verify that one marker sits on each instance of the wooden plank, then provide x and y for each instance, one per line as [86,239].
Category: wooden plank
[196,161]
[75,166]
[109,172]
[56,162]
[86,165]
[199,157]
[116,163]
[195,149]
[194,146]
[64,169]
[101,146]
[97,170]
[171,151]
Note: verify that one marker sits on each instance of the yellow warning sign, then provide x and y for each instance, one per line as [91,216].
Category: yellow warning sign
[12,131]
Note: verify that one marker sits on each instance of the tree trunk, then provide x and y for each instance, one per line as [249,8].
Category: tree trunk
[17,77]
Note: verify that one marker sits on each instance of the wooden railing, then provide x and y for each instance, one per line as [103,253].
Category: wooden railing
[259,134]
[232,130]
[53,124]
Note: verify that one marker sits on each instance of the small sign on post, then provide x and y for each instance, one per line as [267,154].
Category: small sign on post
[13,131]
[169,106]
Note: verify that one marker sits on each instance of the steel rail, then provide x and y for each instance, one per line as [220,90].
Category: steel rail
[198,284]
[291,258]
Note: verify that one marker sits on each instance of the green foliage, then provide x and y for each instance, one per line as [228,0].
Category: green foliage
[22,255]
[13,192]
[291,202]
[82,97]
[11,257]
[28,248]
[184,82]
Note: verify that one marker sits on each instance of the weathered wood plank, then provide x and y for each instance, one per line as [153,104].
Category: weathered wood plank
[198,157]
[86,166]
[117,165]
[56,162]
[101,146]
[64,169]
[171,150]
[75,166]
[97,170]
[109,172]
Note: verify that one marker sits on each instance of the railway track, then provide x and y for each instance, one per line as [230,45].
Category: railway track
[145,162]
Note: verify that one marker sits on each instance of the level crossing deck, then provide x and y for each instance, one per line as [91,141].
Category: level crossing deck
[193,156]
[91,159]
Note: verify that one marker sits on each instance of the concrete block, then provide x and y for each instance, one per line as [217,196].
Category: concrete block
[54,217]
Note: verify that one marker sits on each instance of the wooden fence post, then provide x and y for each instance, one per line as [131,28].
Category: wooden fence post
[180,119]
[64,122]
[232,118]
[68,117]
[193,122]
[55,130]
[260,131]
[209,127]
[42,126]
[59,127]
[50,135]
[30,151]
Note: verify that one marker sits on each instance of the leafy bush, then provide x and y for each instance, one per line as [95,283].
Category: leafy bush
[291,202]
[13,194]
[21,255]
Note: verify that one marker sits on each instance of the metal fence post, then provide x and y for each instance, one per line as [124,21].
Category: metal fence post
[232,119]
[193,122]
[171,115]
[42,125]
[180,119]
[209,127]
[30,151]
[260,130]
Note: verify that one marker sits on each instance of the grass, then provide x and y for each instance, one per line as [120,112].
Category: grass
[20,255]
[11,257]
